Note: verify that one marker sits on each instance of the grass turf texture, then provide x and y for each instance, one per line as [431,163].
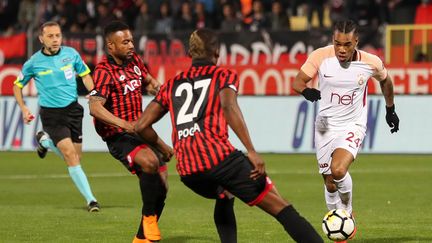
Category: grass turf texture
[38,202]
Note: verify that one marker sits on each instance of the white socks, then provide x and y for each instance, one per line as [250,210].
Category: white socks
[344,187]
[333,200]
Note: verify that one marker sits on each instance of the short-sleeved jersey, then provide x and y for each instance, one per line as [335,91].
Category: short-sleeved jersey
[200,131]
[121,86]
[54,76]
[343,90]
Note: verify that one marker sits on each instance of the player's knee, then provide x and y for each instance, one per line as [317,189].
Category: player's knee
[150,165]
[338,172]
[147,160]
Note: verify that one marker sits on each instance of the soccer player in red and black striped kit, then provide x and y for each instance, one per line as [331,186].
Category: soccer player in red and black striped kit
[202,101]
[116,104]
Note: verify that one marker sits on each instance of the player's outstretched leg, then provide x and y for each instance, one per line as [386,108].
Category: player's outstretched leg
[297,226]
[225,220]
[294,224]
[45,143]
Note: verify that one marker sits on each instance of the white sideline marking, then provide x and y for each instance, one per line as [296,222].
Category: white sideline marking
[270,172]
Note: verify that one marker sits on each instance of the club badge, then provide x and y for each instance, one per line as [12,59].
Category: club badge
[137,70]
[361,79]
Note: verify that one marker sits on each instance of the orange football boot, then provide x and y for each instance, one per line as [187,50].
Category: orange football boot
[151,228]
[138,240]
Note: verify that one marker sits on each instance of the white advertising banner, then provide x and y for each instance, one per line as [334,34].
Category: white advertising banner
[276,124]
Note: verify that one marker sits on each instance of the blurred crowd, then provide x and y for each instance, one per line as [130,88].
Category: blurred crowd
[166,16]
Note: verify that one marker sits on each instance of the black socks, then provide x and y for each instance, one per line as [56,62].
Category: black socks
[225,221]
[153,193]
[297,226]
[151,186]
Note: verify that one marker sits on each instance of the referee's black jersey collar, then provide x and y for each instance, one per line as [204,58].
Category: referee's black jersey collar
[201,62]
[113,62]
[48,55]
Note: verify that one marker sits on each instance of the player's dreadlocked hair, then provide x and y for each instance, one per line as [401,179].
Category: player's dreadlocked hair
[113,27]
[345,26]
[203,44]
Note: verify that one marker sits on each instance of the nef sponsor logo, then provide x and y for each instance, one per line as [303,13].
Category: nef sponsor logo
[188,131]
[347,99]
[131,86]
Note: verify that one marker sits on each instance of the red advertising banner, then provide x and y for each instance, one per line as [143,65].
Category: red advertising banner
[275,79]
[13,49]
[267,63]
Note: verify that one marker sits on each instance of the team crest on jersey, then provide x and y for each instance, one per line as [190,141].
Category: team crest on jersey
[137,70]
[361,79]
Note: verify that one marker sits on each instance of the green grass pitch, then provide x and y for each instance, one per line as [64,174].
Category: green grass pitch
[38,202]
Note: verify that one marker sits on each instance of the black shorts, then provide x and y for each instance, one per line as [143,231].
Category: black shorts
[233,175]
[64,122]
[124,146]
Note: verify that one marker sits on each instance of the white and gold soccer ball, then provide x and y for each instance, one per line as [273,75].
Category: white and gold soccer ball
[338,225]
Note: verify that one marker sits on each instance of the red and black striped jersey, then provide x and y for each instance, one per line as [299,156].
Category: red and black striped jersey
[200,131]
[121,86]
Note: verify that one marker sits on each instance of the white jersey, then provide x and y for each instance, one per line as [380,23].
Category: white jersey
[343,90]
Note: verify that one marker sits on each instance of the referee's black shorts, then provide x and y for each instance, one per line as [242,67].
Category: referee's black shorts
[124,147]
[61,123]
[233,175]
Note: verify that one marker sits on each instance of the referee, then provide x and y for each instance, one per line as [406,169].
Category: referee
[54,68]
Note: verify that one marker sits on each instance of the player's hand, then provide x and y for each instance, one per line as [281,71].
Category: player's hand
[129,127]
[153,87]
[27,115]
[392,119]
[167,153]
[258,163]
[311,94]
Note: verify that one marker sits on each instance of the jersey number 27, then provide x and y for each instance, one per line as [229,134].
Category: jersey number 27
[183,116]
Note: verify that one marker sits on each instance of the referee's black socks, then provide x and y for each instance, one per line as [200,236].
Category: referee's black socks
[297,226]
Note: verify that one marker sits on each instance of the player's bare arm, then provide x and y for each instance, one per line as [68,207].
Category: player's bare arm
[152,85]
[88,82]
[300,81]
[392,118]
[26,114]
[235,120]
[153,113]
[98,111]
[387,90]
[299,85]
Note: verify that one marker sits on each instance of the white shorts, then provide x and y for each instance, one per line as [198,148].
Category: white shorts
[327,141]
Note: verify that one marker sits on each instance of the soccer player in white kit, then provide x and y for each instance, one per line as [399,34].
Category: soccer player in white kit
[340,126]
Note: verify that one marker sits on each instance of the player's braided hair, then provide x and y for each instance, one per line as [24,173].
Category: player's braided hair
[203,44]
[345,26]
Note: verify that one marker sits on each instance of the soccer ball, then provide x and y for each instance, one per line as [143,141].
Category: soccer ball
[338,225]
